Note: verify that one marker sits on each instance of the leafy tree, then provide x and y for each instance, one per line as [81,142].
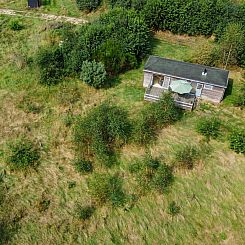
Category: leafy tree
[93,74]
[232,44]
[107,188]
[88,5]
[23,154]
[51,65]
[237,141]
[209,127]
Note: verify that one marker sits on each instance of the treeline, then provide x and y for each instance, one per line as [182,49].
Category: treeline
[114,43]
[192,17]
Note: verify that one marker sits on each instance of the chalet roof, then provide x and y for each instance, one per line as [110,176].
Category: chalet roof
[187,70]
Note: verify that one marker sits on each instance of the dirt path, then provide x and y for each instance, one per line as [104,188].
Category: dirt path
[27,14]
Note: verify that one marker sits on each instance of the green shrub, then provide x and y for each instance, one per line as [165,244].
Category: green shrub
[15,25]
[23,154]
[93,74]
[51,65]
[102,131]
[84,166]
[88,5]
[237,141]
[107,188]
[85,212]
[163,178]
[186,156]
[239,100]
[152,174]
[155,116]
[209,127]
[173,208]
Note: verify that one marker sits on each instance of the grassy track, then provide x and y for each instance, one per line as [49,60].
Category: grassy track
[211,196]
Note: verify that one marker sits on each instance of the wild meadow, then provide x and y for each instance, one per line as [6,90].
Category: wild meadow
[183,186]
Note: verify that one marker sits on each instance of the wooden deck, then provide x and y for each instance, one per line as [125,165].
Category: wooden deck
[185,101]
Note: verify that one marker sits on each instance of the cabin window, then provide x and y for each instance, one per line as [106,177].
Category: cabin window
[209,87]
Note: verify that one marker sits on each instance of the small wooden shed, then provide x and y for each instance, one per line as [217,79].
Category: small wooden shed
[34,3]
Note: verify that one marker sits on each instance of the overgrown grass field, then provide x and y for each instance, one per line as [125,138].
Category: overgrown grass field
[211,196]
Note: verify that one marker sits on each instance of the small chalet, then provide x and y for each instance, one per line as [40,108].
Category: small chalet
[187,82]
[34,3]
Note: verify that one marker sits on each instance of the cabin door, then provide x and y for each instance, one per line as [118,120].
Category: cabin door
[199,89]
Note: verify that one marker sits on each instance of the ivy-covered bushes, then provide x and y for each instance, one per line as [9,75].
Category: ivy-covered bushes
[237,141]
[102,131]
[93,74]
[88,5]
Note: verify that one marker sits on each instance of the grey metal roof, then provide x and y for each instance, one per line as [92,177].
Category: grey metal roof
[187,70]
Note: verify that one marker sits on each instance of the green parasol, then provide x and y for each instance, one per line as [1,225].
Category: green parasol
[181,86]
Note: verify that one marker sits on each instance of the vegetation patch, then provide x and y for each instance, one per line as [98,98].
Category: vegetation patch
[23,154]
[106,188]
[209,127]
[237,141]
[102,131]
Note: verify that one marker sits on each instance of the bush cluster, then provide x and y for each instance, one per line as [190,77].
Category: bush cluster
[152,174]
[237,141]
[153,117]
[23,154]
[209,127]
[186,156]
[93,74]
[51,64]
[107,188]
[88,5]
[102,131]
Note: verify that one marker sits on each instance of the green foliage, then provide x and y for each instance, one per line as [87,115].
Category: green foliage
[237,141]
[15,25]
[102,131]
[192,17]
[173,208]
[119,39]
[152,174]
[232,44]
[107,188]
[209,127]
[88,5]
[83,166]
[163,178]
[23,154]
[50,62]
[85,212]
[153,117]
[93,74]
[239,100]
[186,156]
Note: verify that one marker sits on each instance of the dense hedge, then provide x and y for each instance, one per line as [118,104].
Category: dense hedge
[119,39]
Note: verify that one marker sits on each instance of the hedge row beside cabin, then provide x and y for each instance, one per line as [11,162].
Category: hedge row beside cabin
[207,83]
